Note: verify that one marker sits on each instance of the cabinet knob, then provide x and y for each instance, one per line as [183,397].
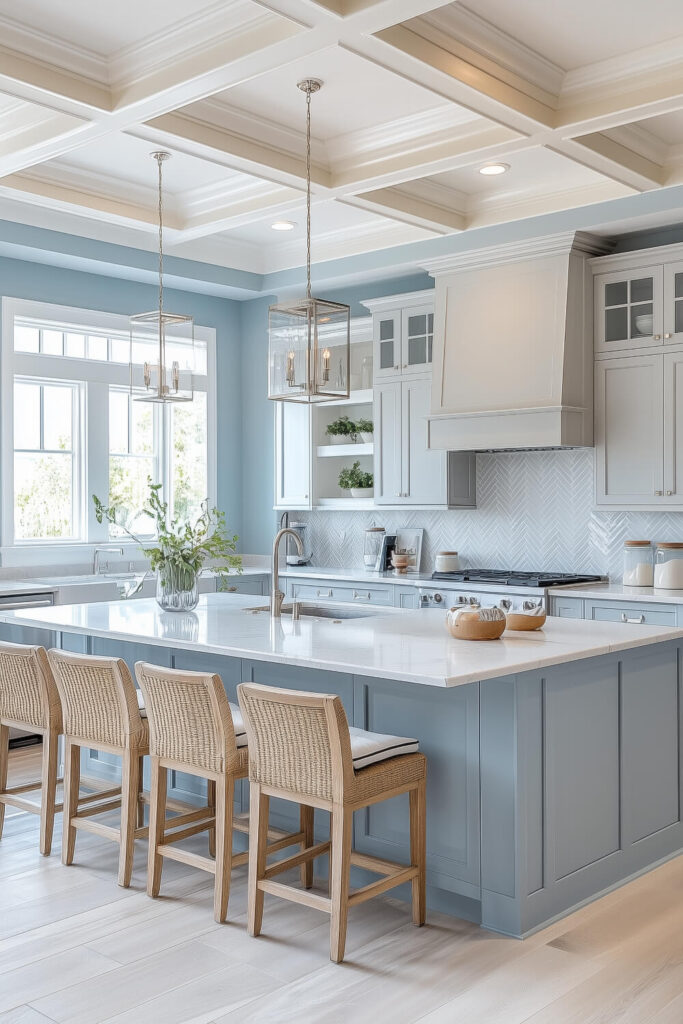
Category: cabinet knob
[657,337]
[396,367]
[669,493]
[668,334]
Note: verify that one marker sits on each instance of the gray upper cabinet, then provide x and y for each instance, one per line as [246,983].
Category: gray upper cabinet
[403,334]
[639,379]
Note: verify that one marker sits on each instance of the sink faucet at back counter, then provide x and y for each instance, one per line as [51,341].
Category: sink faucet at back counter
[276,595]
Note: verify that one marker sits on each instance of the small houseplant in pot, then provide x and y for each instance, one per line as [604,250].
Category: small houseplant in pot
[366,430]
[354,479]
[342,431]
[182,549]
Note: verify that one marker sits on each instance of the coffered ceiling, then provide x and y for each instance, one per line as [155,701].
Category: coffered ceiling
[582,101]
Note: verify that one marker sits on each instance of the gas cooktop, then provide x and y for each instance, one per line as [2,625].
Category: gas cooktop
[511,578]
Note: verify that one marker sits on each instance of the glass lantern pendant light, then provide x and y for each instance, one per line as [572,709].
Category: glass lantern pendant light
[308,339]
[162,353]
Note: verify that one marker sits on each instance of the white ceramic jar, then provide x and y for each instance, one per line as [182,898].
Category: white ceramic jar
[639,564]
[446,561]
[669,566]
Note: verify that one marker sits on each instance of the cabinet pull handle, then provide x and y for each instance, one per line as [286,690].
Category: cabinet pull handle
[668,334]
[357,596]
[396,367]
[658,493]
[636,622]
[657,337]
[669,493]
[319,593]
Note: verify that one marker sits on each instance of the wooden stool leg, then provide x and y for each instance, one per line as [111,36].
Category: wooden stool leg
[306,826]
[341,825]
[258,838]
[48,791]
[157,825]
[72,785]
[418,849]
[4,760]
[211,804]
[224,797]
[130,786]
[140,804]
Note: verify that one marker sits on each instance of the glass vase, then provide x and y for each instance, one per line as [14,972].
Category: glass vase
[177,588]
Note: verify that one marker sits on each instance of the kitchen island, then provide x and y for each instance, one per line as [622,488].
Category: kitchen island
[554,757]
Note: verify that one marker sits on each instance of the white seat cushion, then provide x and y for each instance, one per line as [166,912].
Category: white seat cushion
[238,725]
[370,747]
[237,720]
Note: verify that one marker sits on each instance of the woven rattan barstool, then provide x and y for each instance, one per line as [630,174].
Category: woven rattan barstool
[29,700]
[301,749]
[194,729]
[101,712]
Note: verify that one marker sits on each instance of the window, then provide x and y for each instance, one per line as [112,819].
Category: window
[71,428]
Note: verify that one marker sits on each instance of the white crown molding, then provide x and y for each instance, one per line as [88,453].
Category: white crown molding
[467,35]
[531,204]
[619,73]
[47,49]
[639,140]
[531,248]
[385,302]
[189,37]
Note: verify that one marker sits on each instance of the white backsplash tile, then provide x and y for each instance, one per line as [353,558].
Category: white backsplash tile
[535,511]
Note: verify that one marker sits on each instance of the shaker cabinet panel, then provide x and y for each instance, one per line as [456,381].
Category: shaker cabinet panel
[417,339]
[387,419]
[292,455]
[424,471]
[629,430]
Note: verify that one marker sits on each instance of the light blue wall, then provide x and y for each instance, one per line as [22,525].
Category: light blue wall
[29,280]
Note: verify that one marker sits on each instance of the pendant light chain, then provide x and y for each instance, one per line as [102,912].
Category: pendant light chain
[160,157]
[308,192]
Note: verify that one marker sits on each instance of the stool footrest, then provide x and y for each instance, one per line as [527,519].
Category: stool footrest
[296,859]
[187,832]
[305,896]
[399,877]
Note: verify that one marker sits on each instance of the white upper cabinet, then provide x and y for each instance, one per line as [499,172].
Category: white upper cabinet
[293,457]
[403,333]
[388,439]
[423,473]
[673,303]
[629,309]
[629,430]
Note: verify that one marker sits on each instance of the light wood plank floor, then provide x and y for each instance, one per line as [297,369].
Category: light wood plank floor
[76,948]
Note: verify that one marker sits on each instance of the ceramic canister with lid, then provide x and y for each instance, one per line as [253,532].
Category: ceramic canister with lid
[639,563]
[669,566]
[446,561]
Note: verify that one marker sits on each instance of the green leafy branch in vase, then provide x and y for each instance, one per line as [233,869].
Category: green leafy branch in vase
[182,549]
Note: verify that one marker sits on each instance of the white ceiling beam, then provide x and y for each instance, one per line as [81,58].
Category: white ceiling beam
[614,160]
[409,209]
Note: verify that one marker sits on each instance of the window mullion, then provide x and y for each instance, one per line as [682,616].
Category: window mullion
[96,456]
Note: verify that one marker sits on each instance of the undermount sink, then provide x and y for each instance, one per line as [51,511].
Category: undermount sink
[328,610]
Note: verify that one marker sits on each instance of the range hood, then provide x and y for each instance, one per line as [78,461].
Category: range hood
[513,346]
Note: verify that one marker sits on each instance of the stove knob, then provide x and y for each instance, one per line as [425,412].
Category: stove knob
[506,604]
[438,598]
[474,601]
[462,599]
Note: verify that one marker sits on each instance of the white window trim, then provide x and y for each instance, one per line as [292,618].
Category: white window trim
[72,552]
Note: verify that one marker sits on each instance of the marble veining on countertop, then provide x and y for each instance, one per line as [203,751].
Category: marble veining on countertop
[618,592]
[410,646]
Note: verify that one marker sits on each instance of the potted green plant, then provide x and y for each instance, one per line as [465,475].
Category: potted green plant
[342,431]
[182,549]
[357,481]
[366,430]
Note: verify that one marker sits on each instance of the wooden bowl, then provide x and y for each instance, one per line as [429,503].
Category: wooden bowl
[520,621]
[468,626]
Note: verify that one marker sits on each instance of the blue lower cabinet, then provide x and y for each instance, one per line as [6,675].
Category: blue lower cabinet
[567,607]
[248,585]
[446,723]
[637,614]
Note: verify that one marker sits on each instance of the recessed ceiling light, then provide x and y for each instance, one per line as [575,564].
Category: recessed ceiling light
[283,225]
[494,168]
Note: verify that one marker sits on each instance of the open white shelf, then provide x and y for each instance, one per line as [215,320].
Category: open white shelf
[347,503]
[329,451]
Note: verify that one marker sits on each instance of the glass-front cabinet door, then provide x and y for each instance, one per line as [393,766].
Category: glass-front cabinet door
[387,337]
[629,309]
[418,339]
[673,304]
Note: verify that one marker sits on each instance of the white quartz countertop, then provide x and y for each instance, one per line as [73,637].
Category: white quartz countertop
[618,592]
[410,646]
[318,572]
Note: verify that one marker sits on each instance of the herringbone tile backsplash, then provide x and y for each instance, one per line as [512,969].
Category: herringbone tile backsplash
[535,511]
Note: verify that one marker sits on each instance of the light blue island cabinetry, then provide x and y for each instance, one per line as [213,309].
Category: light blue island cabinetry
[554,759]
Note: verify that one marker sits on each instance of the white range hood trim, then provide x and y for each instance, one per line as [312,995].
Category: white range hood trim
[509,429]
[531,248]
